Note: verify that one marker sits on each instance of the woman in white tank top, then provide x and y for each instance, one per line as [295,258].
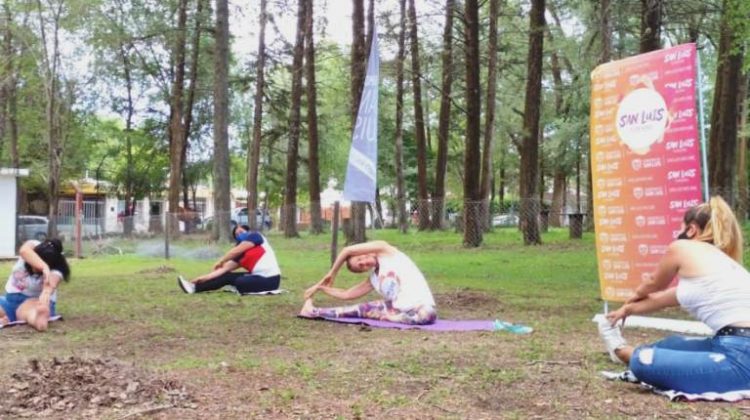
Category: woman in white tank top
[715,288]
[406,297]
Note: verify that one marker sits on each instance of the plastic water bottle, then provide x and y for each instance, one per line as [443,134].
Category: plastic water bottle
[510,327]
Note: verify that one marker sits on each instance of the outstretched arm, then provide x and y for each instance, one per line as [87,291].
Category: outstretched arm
[652,303]
[353,292]
[668,267]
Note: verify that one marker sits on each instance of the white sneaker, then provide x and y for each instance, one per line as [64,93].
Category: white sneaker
[185,285]
[612,337]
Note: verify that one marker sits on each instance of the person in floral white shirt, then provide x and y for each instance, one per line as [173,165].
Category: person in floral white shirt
[31,289]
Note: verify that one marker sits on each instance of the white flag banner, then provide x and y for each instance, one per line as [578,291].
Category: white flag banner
[361,170]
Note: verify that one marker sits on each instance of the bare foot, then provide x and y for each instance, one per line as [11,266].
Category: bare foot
[4,321]
[308,310]
[40,318]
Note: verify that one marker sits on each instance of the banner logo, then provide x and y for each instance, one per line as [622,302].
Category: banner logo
[642,119]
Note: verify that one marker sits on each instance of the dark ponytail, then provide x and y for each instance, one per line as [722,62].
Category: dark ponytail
[51,252]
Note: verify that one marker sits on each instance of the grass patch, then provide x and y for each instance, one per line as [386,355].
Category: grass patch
[254,352]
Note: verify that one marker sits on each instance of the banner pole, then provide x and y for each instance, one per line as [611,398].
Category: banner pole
[702,127]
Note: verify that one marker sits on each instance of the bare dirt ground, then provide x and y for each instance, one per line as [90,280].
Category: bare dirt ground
[87,387]
[132,368]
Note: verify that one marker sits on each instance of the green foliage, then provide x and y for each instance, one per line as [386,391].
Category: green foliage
[125,69]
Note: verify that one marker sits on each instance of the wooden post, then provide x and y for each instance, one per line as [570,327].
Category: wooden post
[78,218]
[335,232]
[167,224]
[575,226]
[544,220]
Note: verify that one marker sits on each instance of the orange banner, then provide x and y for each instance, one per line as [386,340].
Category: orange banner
[645,160]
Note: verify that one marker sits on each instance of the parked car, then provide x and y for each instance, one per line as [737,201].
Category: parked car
[262,218]
[206,223]
[505,220]
[32,227]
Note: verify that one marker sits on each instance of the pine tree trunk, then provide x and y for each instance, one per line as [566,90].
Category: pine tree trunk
[400,189]
[292,151]
[358,63]
[444,119]
[723,135]
[558,197]
[472,153]
[651,19]
[176,143]
[742,205]
[194,56]
[316,225]
[605,31]
[221,125]
[128,223]
[558,181]
[7,78]
[423,207]
[253,154]
[489,114]
[530,205]
[53,132]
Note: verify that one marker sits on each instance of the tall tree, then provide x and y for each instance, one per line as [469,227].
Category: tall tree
[444,119]
[12,89]
[423,208]
[128,222]
[559,162]
[530,205]
[50,17]
[7,50]
[292,152]
[472,152]
[176,128]
[189,107]
[377,217]
[316,225]
[489,114]
[253,154]
[651,22]
[742,205]
[221,124]
[356,233]
[723,135]
[400,57]
[605,33]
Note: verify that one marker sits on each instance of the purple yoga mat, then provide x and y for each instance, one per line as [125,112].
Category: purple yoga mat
[439,325]
[57,317]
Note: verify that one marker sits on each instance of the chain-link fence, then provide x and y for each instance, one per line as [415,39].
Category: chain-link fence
[107,228]
[96,230]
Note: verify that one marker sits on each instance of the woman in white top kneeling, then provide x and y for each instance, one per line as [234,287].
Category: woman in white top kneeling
[406,298]
[715,288]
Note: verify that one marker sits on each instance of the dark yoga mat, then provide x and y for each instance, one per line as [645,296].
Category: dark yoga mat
[440,325]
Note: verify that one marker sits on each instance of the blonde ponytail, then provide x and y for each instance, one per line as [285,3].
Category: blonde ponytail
[722,228]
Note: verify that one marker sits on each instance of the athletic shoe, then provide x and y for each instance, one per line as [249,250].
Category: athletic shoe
[612,337]
[185,285]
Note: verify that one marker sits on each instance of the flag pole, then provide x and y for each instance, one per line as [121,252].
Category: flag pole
[702,126]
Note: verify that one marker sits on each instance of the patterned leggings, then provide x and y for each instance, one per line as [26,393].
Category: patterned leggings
[382,310]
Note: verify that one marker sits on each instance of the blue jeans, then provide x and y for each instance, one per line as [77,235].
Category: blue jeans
[695,364]
[12,301]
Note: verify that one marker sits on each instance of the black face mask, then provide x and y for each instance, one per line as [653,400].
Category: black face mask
[683,235]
